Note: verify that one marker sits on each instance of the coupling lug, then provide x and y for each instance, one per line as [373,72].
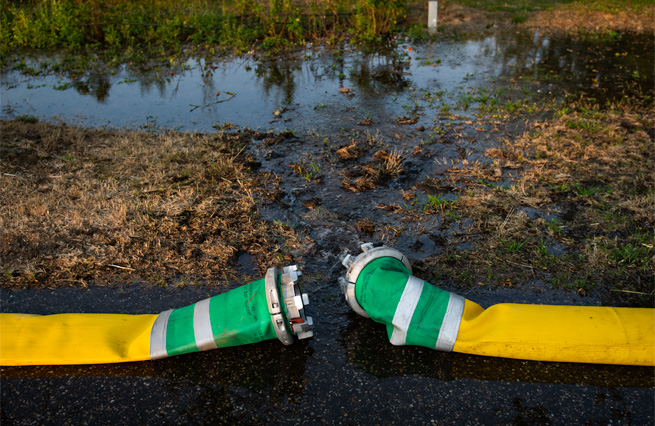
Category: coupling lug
[347,261]
[295,302]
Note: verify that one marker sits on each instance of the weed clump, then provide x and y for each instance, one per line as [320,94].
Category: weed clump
[385,165]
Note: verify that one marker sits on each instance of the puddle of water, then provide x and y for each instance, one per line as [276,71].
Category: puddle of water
[318,91]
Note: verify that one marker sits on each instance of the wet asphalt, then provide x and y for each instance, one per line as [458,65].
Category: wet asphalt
[347,374]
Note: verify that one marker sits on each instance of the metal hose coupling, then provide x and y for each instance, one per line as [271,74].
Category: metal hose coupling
[355,265]
[290,318]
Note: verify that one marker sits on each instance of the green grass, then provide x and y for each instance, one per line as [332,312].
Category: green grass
[239,25]
[554,225]
[309,171]
[587,125]
[586,191]
[437,202]
[118,24]
[513,246]
[521,8]
[511,5]
[579,285]
[27,118]
[614,6]
[631,253]
[62,86]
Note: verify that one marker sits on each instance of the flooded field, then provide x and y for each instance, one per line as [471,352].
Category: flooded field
[514,167]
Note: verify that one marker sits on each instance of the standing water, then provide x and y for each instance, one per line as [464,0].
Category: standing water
[315,89]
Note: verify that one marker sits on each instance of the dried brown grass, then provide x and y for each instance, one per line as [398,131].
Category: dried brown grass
[385,165]
[95,205]
[616,150]
[583,184]
[576,20]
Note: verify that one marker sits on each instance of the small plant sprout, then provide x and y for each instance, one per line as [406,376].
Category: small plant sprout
[513,246]
[587,191]
[439,203]
[309,171]
[555,225]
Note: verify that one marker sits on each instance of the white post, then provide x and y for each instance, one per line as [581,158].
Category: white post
[432,16]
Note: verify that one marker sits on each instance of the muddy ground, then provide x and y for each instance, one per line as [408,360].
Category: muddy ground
[563,202]
[538,182]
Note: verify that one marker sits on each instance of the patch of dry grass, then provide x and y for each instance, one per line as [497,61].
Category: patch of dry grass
[568,18]
[95,205]
[385,165]
[571,202]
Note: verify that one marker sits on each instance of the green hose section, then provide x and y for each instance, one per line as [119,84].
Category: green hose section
[237,317]
[413,310]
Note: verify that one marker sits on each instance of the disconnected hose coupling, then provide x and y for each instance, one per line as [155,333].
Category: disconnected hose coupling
[355,265]
[295,322]
[379,284]
[269,308]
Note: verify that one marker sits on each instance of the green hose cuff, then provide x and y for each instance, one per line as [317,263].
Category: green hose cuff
[414,311]
[265,309]
[237,317]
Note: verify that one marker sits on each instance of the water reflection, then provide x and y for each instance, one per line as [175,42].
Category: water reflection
[97,85]
[606,69]
[279,77]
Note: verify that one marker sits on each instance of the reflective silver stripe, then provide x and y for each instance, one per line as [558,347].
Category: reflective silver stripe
[158,336]
[405,310]
[450,324]
[202,326]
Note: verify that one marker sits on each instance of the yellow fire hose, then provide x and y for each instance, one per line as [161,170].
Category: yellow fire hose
[269,308]
[74,338]
[592,334]
[379,285]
